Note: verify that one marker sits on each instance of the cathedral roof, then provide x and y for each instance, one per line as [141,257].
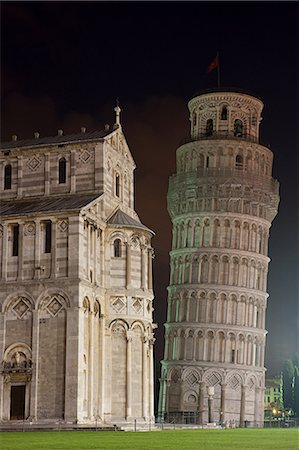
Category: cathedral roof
[45,204]
[121,219]
[56,140]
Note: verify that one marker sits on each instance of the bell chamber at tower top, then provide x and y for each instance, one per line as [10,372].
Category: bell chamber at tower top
[225,114]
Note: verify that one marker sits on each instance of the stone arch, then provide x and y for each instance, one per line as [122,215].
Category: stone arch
[210,343]
[224,270]
[197,234]
[234,380]
[174,374]
[137,324]
[97,308]
[20,347]
[202,306]
[216,233]
[53,303]
[12,300]
[221,307]
[251,381]
[220,346]
[117,235]
[204,269]
[213,377]
[63,296]
[226,237]
[192,373]
[235,271]
[206,232]
[214,265]
[86,303]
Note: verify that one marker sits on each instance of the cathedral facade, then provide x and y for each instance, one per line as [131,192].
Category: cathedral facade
[76,329]
[222,201]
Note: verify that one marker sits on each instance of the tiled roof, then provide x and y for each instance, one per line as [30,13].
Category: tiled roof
[45,204]
[56,140]
[122,219]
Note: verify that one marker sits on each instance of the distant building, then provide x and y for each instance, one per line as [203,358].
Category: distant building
[76,330]
[273,398]
[222,201]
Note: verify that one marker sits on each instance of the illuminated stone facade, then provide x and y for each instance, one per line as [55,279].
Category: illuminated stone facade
[76,331]
[222,201]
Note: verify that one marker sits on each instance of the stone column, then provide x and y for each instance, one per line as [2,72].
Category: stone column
[35,367]
[71,365]
[37,249]
[102,368]
[47,174]
[145,378]
[162,399]
[222,404]
[256,406]
[20,176]
[21,251]
[73,171]
[4,252]
[53,248]
[129,376]
[87,234]
[95,256]
[2,348]
[211,391]
[150,269]
[143,267]
[128,265]
[202,387]
[242,405]
[151,378]
[91,366]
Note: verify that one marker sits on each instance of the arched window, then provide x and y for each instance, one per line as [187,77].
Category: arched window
[209,127]
[62,171]
[238,128]
[48,237]
[194,119]
[224,113]
[117,185]
[239,162]
[7,176]
[117,248]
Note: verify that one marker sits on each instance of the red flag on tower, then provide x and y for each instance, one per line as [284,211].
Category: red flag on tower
[214,64]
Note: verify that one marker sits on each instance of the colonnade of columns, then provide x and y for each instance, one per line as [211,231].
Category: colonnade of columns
[215,346]
[206,409]
[217,308]
[221,232]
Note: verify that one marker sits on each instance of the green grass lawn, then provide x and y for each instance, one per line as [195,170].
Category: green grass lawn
[239,439]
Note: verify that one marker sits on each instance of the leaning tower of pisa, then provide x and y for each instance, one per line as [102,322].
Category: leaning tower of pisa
[222,201]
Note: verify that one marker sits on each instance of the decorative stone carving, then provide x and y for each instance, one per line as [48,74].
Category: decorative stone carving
[234,382]
[63,225]
[213,379]
[29,229]
[20,308]
[85,156]
[192,379]
[54,306]
[34,163]
[137,305]
[118,304]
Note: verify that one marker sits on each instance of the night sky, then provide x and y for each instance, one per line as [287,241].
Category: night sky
[64,64]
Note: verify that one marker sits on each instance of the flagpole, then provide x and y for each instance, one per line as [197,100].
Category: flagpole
[218,70]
